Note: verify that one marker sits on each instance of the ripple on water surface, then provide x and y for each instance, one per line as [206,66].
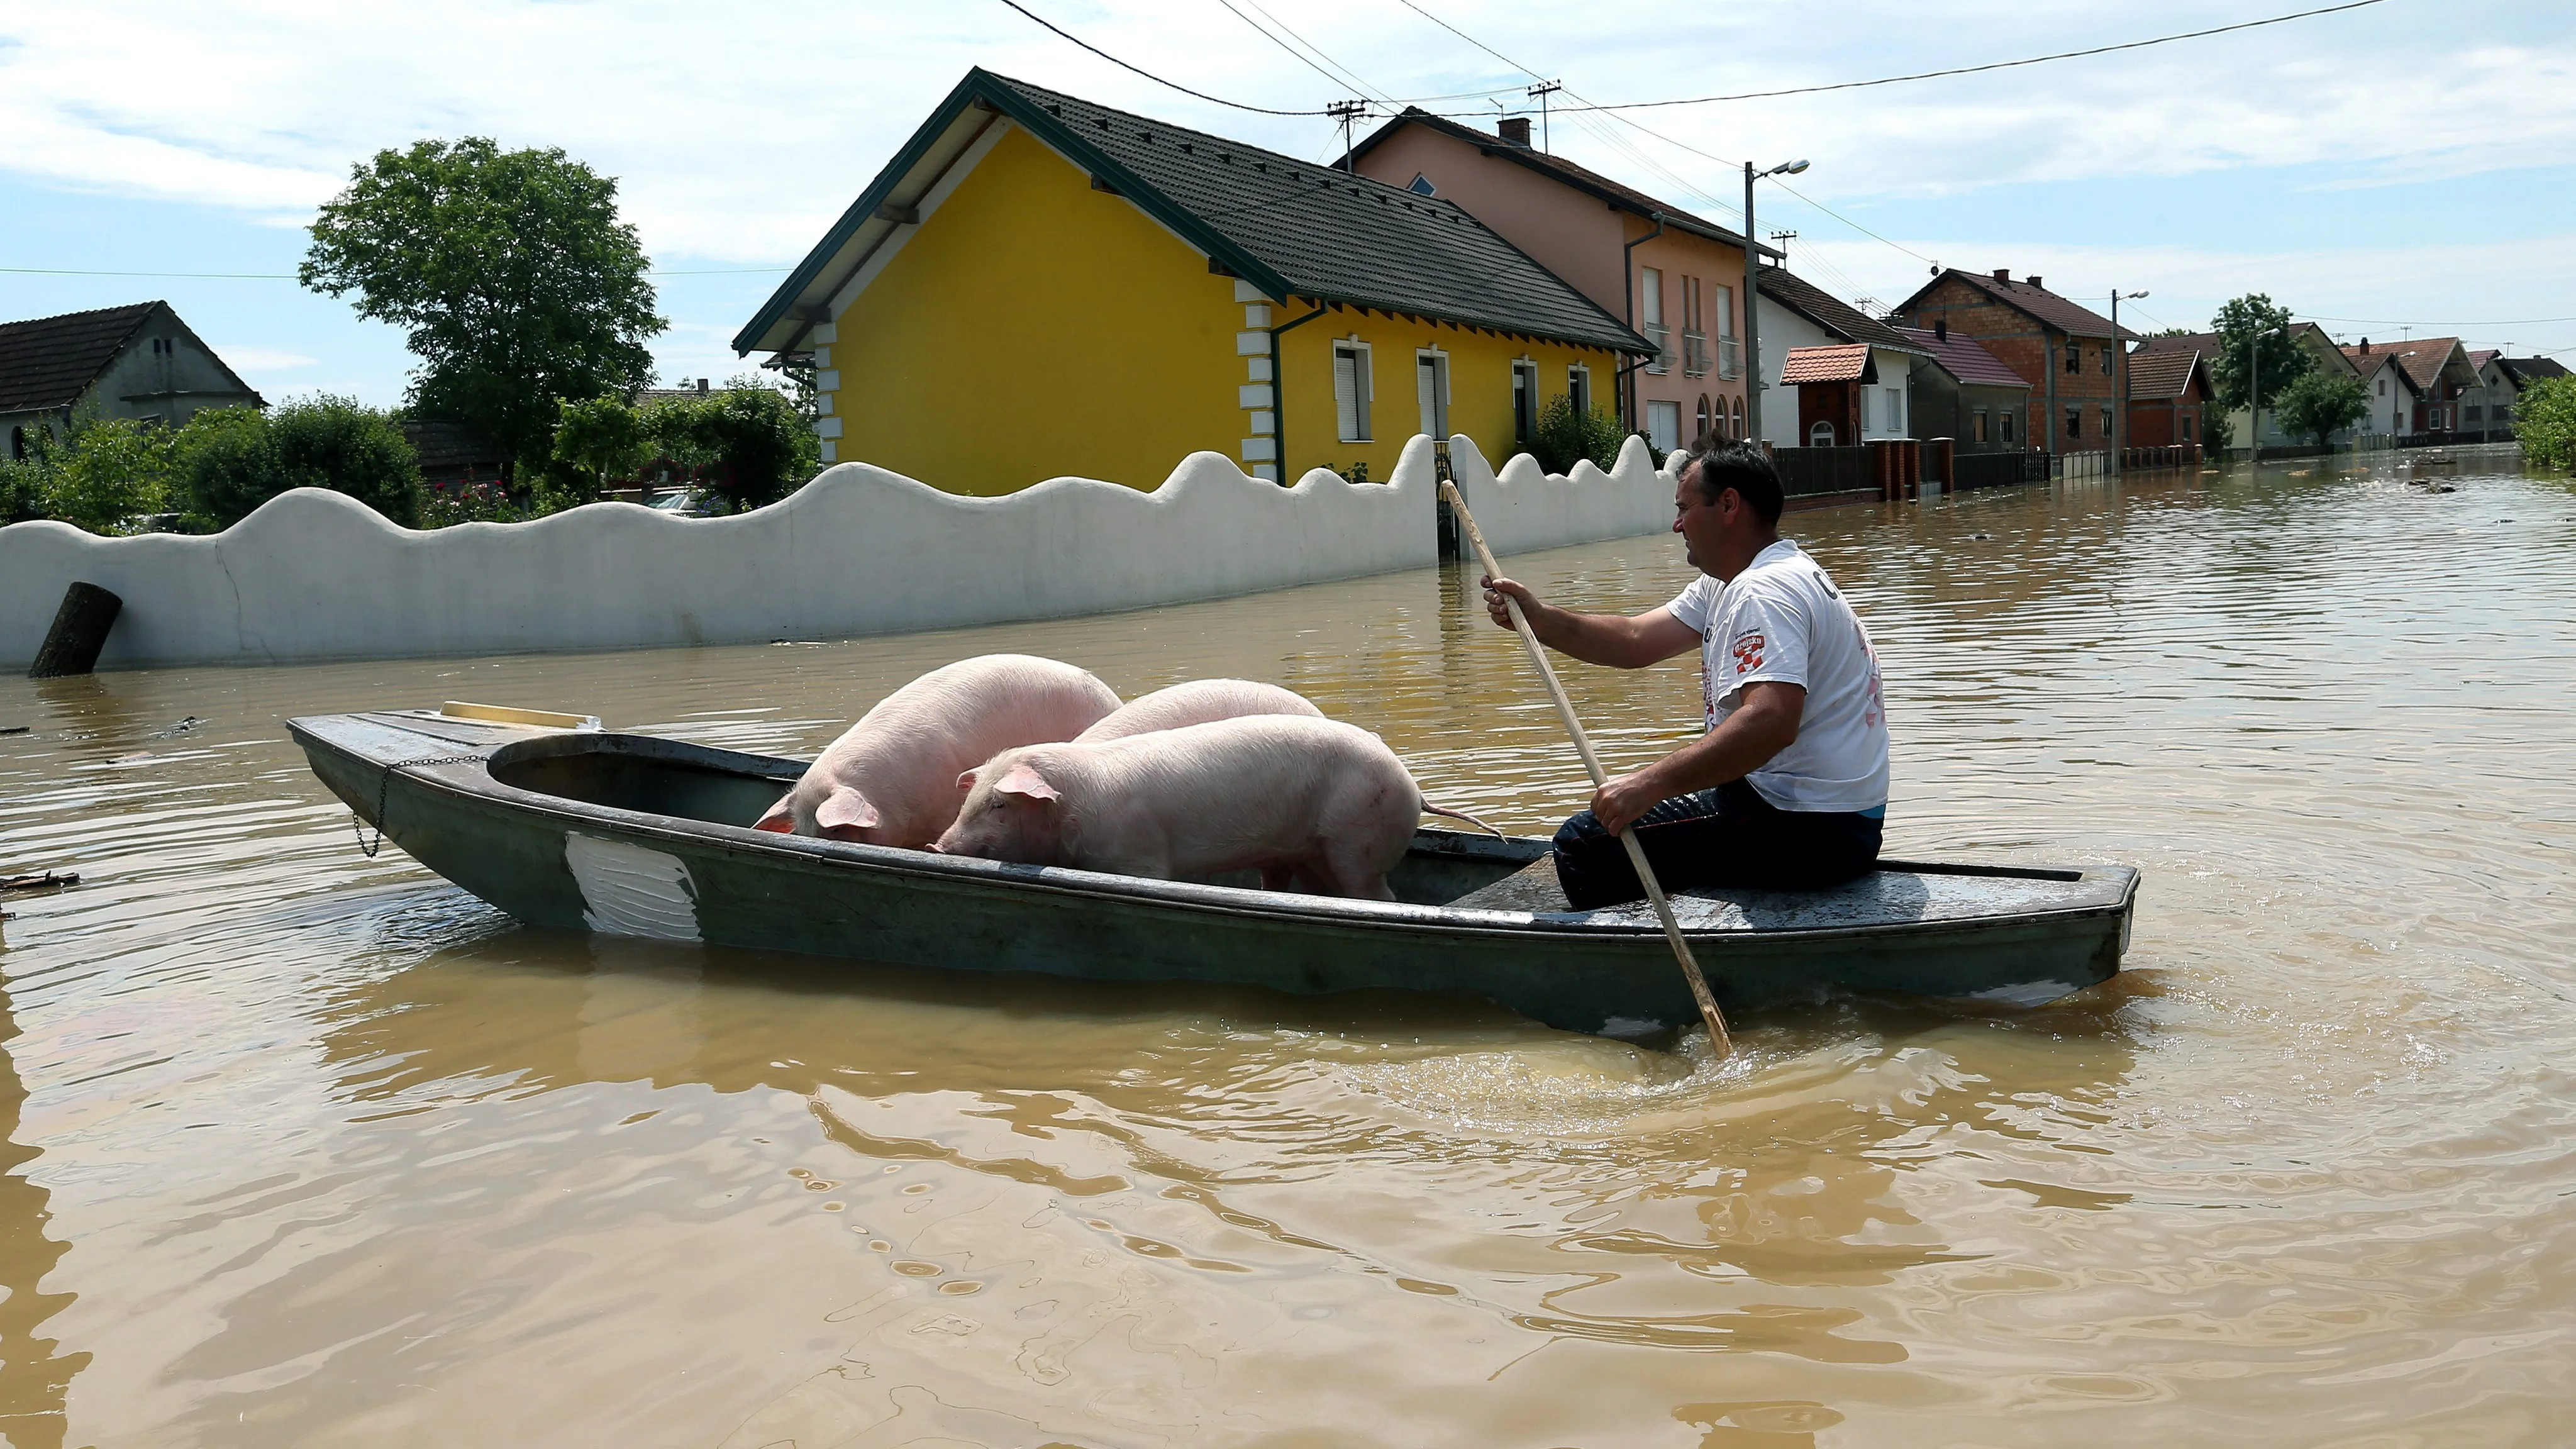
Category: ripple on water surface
[310,1148]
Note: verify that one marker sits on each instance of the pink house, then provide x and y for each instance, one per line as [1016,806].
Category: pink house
[1667,273]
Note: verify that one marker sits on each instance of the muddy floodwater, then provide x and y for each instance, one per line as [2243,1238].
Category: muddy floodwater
[304,1148]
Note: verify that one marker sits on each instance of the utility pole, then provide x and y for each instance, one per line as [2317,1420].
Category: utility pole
[1752,300]
[1346,112]
[2119,385]
[1543,90]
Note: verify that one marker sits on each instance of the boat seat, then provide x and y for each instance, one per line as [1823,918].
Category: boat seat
[1532,888]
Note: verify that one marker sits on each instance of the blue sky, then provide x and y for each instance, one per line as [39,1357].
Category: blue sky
[2406,166]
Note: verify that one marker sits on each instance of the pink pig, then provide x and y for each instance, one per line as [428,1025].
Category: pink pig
[892,779]
[1196,702]
[1312,801]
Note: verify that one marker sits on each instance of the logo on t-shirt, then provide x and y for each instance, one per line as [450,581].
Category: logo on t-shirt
[1747,650]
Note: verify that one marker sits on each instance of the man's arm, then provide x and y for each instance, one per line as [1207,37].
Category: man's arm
[1630,642]
[1764,725]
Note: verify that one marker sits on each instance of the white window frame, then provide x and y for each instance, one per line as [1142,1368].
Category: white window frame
[1578,385]
[1663,424]
[1352,414]
[1524,394]
[1435,409]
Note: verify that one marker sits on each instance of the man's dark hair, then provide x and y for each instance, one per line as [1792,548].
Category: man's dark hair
[1744,467]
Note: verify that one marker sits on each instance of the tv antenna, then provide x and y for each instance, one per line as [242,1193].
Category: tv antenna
[1347,112]
[1542,91]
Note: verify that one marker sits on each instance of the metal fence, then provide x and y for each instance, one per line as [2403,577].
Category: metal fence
[1996,470]
[1806,472]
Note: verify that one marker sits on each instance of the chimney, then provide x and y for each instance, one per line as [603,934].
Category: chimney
[2003,274]
[1941,328]
[702,384]
[1514,130]
[2365,344]
[2034,279]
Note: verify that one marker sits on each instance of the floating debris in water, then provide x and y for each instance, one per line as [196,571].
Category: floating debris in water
[46,880]
[182,727]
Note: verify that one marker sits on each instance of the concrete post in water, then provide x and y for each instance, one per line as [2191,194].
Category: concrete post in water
[79,632]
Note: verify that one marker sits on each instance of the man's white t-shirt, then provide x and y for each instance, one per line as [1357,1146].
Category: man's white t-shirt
[1783,620]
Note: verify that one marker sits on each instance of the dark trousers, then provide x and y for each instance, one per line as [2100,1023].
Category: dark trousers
[1729,836]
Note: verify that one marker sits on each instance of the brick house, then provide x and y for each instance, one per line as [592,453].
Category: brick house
[2068,353]
[1965,394]
[2231,429]
[1664,271]
[2169,397]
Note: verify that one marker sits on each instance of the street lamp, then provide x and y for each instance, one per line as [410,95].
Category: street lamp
[2119,382]
[1753,296]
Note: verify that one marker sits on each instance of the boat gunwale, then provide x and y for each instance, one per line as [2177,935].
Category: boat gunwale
[1446,922]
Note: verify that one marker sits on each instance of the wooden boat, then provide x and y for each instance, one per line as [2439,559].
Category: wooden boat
[636,835]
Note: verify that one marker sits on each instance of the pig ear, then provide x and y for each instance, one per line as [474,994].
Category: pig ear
[780,818]
[1024,779]
[845,809]
[966,781]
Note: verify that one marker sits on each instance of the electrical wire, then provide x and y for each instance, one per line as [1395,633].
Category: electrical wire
[1339,74]
[1990,65]
[1158,80]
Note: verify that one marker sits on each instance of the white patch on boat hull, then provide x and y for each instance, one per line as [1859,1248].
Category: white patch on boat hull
[2026,993]
[627,890]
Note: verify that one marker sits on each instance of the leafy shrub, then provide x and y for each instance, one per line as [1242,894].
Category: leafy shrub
[2545,421]
[597,441]
[109,473]
[1565,436]
[235,459]
[27,484]
[747,442]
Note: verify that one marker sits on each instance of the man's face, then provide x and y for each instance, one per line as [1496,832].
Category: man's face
[1700,522]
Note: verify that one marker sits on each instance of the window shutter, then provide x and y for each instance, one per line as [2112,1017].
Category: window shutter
[1426,393]
[1364,386]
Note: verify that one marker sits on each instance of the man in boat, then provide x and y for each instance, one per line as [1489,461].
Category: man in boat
[1787,790]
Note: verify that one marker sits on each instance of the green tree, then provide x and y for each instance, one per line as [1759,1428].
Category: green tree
[235,459]
[109,473]
[27,484]
[598,441]
[2250,328]
[2321,404]
[510,273]
[747,442]
[2545,421]
[1565,436]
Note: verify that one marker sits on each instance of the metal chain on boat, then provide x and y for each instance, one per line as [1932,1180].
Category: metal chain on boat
[358,825]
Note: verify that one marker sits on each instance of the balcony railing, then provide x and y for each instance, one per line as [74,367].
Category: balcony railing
[1662,337]
[1730,359]
[1695,354]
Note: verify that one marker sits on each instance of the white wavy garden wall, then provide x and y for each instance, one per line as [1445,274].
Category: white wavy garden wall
[313,575]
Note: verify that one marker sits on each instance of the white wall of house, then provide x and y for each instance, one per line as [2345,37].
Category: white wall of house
[1783,328]
[2490,405]
[1887,405]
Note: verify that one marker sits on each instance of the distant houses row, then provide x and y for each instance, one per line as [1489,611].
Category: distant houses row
[1038,286]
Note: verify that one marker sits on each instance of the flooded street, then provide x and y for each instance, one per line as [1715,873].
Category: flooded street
[304,1148]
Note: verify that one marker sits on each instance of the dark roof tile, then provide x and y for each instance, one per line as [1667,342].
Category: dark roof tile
[1337,236]
[1965,359]
[48,361]
[2156,375]
[2049,308]
[1830,312]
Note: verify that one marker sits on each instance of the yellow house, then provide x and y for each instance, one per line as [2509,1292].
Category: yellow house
[1038,287]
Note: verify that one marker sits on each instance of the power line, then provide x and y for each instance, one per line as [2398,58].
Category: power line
[1171,84]
[1990,65]
[1340,75]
